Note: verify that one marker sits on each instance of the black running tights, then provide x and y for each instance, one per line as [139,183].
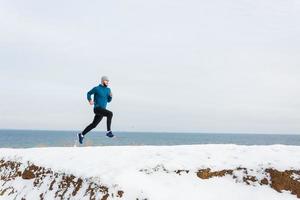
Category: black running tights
[99,114]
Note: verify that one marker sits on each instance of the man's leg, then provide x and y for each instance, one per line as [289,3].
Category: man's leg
[97,119]
[106,113]
[108,120]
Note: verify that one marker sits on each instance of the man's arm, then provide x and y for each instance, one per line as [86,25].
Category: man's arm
[90,93]
[109,97]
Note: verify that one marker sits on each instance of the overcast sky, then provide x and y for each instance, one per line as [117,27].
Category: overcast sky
[228,66]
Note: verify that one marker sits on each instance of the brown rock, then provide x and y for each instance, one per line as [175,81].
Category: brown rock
[264,181]
[283,181]
[120,193]
[247,179]
[28,174]
[206,173]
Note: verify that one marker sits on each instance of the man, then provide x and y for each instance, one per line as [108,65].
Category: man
[102,96]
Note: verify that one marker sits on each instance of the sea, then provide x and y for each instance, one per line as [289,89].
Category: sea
[10,138]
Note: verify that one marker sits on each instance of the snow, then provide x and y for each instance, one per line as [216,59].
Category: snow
[148,171]
[296,177]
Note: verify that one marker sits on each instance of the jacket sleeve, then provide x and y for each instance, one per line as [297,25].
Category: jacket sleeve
[109,98]
[89,94]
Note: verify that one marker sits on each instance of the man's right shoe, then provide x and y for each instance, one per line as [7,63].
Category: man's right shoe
[109,134]
[80,138]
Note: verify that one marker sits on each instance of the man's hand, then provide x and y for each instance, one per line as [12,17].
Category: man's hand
[110,94]
[91,102]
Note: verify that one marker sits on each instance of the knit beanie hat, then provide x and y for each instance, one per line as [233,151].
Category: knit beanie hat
[104,78]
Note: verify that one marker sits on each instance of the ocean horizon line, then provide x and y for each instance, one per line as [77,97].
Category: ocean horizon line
[144,131]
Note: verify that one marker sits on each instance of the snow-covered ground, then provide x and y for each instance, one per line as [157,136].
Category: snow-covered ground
[153,172]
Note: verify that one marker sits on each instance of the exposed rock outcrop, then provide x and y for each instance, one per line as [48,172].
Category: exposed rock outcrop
[57,185]
[51,184]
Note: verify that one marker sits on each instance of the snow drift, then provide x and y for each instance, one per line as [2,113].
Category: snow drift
[152,172]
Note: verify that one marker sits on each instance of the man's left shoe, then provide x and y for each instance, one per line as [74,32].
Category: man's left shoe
[80,138]
[109,134]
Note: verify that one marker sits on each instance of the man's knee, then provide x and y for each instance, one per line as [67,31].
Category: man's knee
[110,114]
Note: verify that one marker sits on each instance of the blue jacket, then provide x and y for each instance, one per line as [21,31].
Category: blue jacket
[101,96]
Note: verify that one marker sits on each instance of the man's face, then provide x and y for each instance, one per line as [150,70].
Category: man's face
[105,82]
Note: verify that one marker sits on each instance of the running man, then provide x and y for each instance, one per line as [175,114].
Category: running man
[102,96]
